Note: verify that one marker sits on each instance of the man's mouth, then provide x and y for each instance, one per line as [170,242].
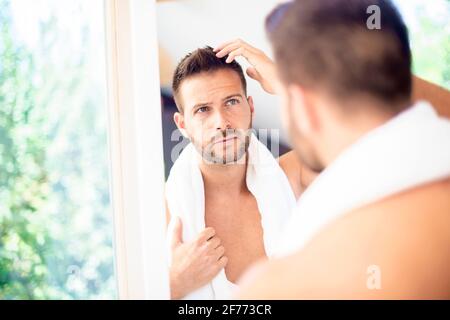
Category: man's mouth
[225,140]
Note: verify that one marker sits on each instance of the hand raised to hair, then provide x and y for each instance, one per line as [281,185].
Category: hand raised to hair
[263,68]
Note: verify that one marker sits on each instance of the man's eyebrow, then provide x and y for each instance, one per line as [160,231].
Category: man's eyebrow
[201,104]
[232,96]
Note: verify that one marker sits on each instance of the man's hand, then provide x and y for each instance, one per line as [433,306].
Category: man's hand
[195,263]
[263,68]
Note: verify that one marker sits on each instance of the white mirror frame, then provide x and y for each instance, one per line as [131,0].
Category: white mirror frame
[136,149]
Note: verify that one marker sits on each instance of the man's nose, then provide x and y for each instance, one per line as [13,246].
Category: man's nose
[221,122]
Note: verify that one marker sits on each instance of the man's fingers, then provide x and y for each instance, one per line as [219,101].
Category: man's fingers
[219,265]
[226,44]
[238,52]
[222,46]
[205,235]
[244,50]
[253,73]
[219,252]
[226,50]
[214,242]
[222,262]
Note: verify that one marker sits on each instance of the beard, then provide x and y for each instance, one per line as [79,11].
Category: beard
[232,151]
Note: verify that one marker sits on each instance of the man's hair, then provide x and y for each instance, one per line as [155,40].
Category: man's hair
[327,45]
[198,61]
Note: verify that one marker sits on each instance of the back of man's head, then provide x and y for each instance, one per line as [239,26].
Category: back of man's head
[328,45]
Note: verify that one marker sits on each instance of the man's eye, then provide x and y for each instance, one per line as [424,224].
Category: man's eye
[232,102]
[201,109]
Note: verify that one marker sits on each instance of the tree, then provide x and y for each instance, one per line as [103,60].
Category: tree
[23,181]
[55,223]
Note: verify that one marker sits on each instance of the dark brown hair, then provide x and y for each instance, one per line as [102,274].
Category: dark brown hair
[198,61]
[327,44]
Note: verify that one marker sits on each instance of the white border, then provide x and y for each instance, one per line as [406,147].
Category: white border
[136,149]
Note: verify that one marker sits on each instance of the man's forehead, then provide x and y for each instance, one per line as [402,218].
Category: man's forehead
[207,86]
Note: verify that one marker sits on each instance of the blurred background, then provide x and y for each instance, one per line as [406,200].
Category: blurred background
[186,25]
[55,214]
[56,225]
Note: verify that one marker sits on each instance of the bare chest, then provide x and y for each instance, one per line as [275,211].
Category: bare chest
[238,225]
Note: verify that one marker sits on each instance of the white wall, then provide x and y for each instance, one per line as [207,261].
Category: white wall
[185,25]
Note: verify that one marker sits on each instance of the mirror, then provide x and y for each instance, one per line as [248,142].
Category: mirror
[225,198]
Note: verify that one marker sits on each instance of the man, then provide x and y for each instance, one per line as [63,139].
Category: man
[225,215]
[376,222]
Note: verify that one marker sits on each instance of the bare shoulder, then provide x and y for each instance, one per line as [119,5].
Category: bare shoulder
[269,280]
[291,166]
[298,174]
[395,248]
[289,160]
[438,96]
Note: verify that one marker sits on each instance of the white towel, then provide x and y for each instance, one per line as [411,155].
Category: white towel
[411,149]
[265,180]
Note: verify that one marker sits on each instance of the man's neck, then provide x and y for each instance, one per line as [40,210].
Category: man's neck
[229,179]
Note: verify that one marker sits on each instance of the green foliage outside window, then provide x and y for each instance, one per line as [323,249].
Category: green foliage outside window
[55,221]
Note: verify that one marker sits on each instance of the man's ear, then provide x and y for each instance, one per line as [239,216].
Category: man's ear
[250,103]
[178,118]
[303,110]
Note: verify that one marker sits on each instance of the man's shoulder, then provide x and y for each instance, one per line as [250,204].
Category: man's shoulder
[289,162]
[403,239]
[414,223]
[425,201]
[291,166]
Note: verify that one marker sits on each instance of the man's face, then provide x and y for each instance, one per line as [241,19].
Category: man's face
[217,115]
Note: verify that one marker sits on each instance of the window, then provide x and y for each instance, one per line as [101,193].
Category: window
[56,226]
[429,31]
[81,166]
